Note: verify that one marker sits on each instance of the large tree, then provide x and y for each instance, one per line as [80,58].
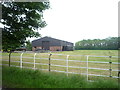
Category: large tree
[21,20]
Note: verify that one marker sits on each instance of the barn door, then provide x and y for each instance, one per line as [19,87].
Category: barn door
[64,48]
[45,45]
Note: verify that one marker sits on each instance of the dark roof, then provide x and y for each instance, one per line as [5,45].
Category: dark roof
[51,38]
[53,42]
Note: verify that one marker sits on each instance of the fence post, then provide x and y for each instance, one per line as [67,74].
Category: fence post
[9,58]
[21,60]
[49,61]
[34,60]
[110,66]
[67,64]
[87,66]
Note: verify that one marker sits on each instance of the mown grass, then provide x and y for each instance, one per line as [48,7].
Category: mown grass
[26,78]
[91,52]
[82,52]
[40,59]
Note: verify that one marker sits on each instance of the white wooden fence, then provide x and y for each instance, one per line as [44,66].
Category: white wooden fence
[67,66]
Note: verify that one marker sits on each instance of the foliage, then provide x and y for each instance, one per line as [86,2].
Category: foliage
[25,78]
[28,45]
[21,20]
[111,43]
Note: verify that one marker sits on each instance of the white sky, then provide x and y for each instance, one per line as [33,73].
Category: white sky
[75,20]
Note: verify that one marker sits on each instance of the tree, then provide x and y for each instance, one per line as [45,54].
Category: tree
[111,43]
[28,45]
[21,20]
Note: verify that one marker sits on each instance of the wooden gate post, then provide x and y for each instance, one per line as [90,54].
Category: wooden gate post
[9,58]
[49,61]
[110,66]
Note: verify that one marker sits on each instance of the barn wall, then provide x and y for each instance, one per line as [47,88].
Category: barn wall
[33,48]
[54,44]
[55,48]
[52,48]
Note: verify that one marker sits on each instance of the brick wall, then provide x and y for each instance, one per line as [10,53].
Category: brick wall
[52,48]
[33,48]
[55,48]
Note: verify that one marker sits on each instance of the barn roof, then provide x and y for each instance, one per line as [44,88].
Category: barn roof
[51,38]
[56,41]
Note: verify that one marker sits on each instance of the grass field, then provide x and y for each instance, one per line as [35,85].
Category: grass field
[91,52]
[26,78]
[40,59]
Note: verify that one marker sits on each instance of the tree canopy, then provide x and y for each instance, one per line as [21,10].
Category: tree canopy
[21,20]
[111,43]
[28,45]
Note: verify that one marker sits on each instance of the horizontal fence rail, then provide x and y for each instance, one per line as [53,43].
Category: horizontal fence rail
[50,59]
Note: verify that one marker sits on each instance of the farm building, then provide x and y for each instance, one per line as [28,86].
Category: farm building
[52,44]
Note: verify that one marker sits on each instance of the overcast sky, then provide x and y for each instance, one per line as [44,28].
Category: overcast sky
[75,20]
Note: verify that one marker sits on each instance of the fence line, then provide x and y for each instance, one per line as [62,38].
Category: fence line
[87,67]
[69,60]
[34,60]
[21,60]
[64,66]
[67,64]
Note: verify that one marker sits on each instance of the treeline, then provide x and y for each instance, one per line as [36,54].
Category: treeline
[111,43]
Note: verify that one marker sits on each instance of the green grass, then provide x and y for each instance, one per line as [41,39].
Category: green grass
[79,64]
[26,78]
[91,52]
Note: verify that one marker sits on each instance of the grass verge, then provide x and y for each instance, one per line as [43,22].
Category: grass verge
[26,78]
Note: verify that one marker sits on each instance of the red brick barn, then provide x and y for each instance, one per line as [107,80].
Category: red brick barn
[52,44]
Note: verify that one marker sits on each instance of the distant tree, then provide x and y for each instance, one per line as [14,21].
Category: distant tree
[28,45]
[21,20]
[77,47]
[111,43]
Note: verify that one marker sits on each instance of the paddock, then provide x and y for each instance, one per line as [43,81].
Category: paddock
[89,65]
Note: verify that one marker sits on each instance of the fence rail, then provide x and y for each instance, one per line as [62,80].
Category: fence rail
[67,66]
